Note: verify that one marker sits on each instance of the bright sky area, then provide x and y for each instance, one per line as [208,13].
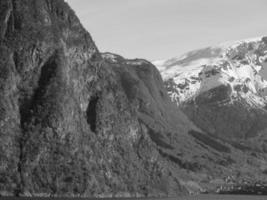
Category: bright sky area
[161,29]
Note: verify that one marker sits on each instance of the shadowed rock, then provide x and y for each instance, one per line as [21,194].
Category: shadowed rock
[71,123]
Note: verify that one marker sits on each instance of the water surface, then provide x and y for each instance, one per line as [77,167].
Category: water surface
[197,197]
[224,197]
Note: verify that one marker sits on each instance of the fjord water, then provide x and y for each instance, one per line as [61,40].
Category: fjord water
[223,197]
[193,197]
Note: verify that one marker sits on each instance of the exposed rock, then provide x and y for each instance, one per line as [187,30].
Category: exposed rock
[72,123]
[75,122]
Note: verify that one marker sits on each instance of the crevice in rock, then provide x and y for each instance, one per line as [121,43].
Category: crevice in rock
[210,142]
[19,190]
[10,21]
[5,18]
[158,138]
[91,113]
[17,21]
[16,61]
[27,106]
[129,85]
[192,166]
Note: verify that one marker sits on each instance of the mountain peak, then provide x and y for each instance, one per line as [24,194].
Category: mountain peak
[237,64]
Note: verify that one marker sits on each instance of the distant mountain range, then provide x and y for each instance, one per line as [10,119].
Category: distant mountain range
[237,64]
[221,88]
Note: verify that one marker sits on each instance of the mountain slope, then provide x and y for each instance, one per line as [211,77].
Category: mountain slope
[220,87]
[235,62]
[76,122]
[222,90]
[71,123]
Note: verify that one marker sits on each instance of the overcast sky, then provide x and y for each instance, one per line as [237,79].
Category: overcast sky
[159,29]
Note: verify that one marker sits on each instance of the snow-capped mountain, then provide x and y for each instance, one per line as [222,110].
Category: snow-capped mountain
[234,64]
[221,89]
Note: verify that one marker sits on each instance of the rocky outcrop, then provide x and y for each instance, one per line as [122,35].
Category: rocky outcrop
[72,122]
[75,122]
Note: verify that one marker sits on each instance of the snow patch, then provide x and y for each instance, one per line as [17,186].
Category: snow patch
[236,64]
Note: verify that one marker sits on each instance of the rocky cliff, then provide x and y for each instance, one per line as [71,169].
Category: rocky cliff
[77,122]
[73,122]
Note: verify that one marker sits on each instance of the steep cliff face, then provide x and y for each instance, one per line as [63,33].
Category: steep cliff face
[73,123]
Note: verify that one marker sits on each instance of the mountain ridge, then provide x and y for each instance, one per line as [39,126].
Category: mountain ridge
[190,65]
[76,122]
[220,78]
[72,123]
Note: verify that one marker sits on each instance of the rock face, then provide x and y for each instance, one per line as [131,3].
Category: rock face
[74,122]
[77,122]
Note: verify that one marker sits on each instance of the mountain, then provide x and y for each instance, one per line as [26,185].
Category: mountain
[222,88]
[74,122]
[237,63]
